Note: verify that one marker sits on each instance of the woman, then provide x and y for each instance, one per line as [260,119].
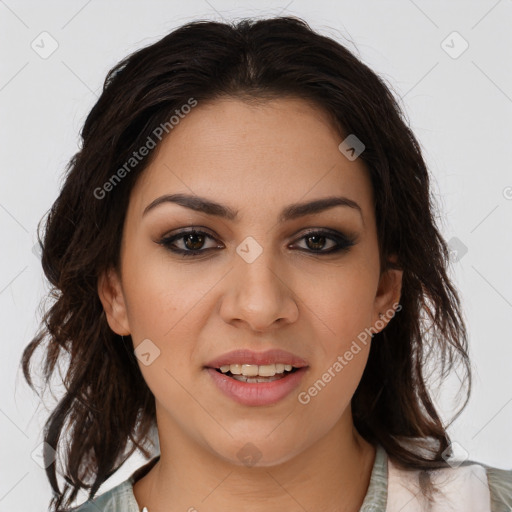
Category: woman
[246,259]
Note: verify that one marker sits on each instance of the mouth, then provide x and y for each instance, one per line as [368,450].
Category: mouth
[256,374]
[257,378]
[270,362]
[257,390]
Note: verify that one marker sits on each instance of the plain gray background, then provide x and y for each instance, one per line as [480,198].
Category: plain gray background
[458,101]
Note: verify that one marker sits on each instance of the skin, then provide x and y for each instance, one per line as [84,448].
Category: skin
[256,159]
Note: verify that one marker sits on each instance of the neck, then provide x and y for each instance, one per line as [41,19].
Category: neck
[332,474]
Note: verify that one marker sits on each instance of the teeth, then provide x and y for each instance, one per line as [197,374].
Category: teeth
[243,378]
[253,370]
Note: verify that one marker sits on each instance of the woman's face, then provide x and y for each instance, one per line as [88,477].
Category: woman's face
[260,283]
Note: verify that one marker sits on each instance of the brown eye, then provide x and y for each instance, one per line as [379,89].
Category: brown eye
[316,241]
[193,242]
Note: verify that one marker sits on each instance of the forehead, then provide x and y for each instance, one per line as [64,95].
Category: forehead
[277,151]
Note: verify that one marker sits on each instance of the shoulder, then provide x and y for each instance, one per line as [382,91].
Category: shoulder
[471,486]
[500,487]
[121,497]
[118,499]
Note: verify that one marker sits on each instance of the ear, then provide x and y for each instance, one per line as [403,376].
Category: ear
[387,297]
[112,298]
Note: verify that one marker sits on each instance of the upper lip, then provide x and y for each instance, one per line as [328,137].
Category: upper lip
[246,356]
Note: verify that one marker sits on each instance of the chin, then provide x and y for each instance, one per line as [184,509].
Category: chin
[257,452]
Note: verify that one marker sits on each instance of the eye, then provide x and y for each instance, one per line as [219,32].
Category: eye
[316,240]
[193,241]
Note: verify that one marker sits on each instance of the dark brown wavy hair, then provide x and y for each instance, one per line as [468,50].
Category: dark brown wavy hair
[107,410]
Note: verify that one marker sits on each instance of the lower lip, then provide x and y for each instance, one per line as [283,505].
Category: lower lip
[257,393]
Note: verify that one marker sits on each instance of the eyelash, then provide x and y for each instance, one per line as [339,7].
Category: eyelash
[343,242]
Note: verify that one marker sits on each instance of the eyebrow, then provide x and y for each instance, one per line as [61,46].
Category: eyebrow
[290,212]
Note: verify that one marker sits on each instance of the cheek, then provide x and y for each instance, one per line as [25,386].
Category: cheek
[161,293]
[166,305]
[344,303]
[328,391]
[342,311]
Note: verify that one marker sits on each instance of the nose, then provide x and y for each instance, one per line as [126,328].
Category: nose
[258,295]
